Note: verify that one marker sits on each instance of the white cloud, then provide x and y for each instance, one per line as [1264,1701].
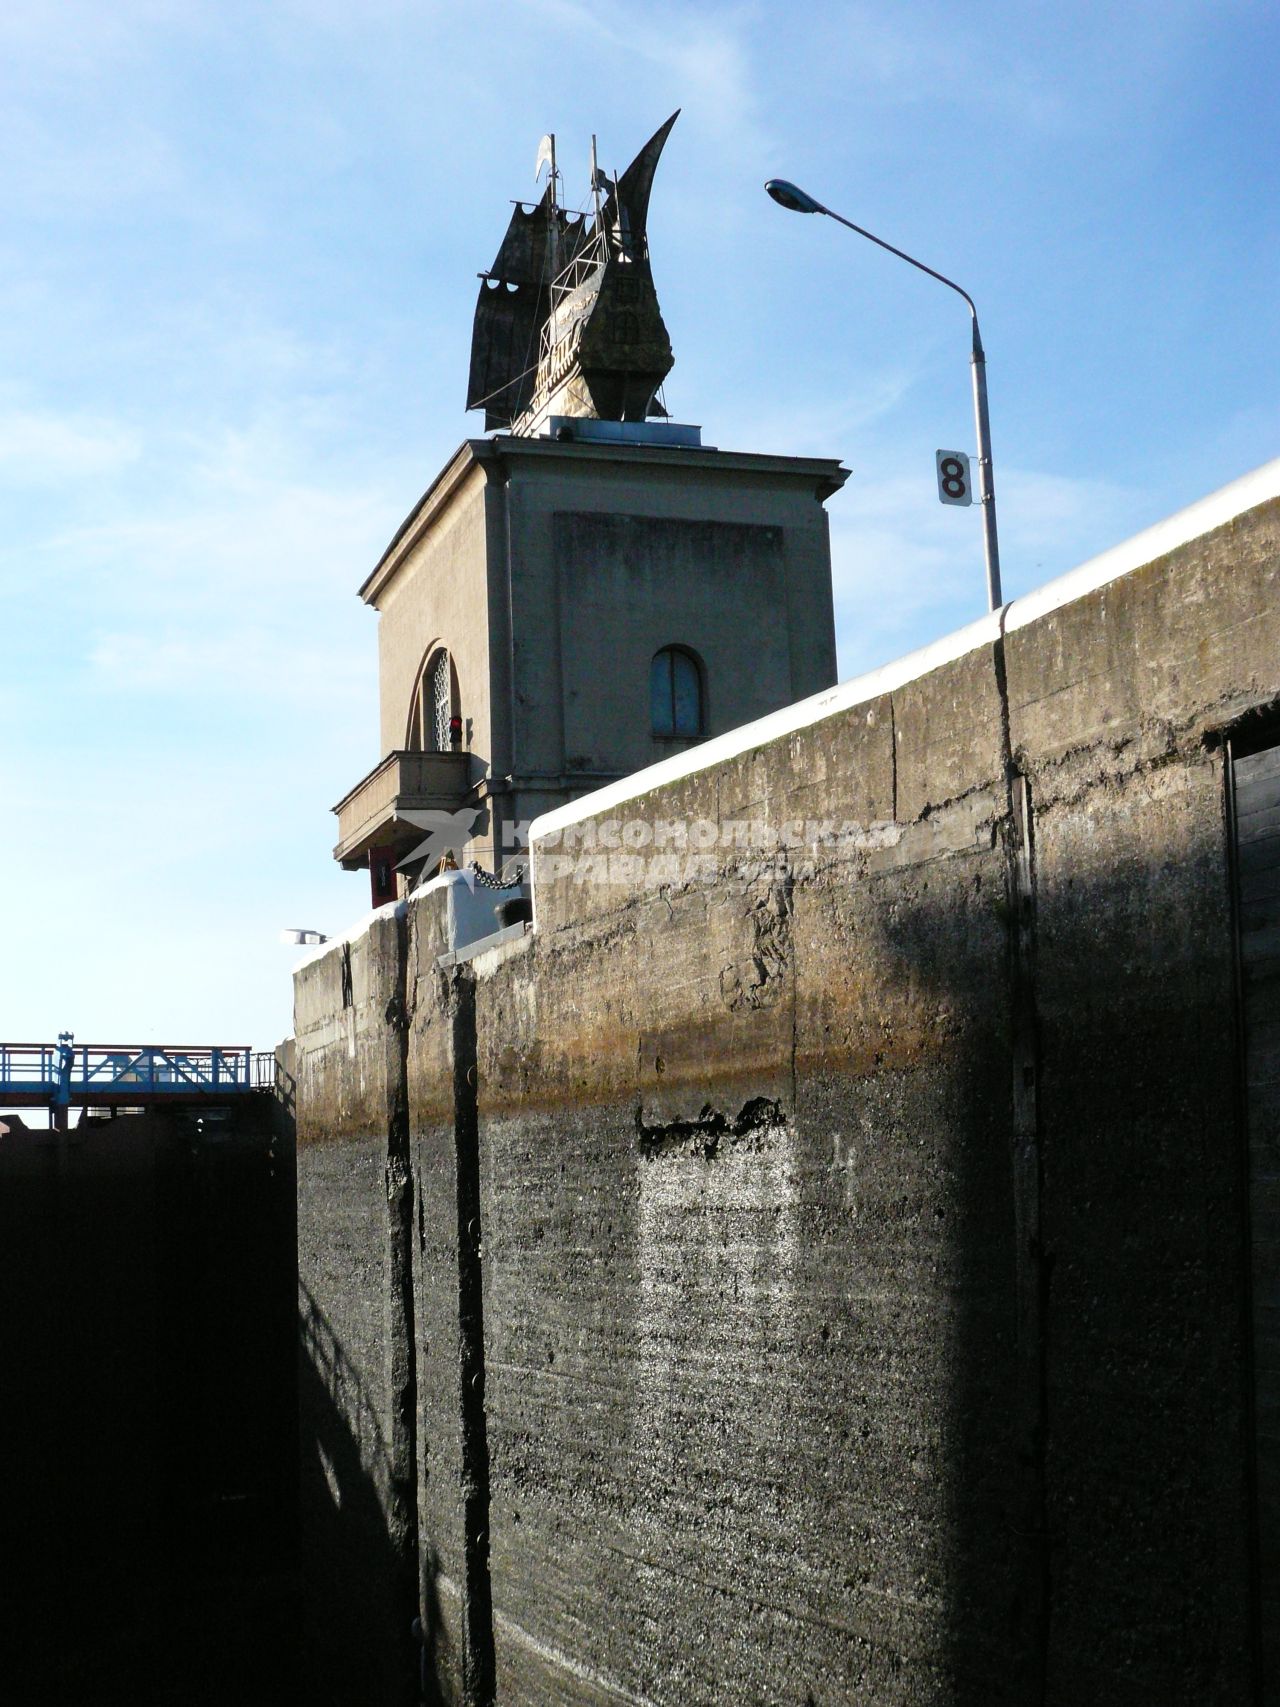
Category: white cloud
[906,568]
[1046,74]
[1051,522]
[259,665]
[811,426]
[105,159]
[705,54]
[41,447]
[82,35]
[227,519]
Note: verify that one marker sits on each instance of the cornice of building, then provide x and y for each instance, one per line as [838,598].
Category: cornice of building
[497,454]
[435,499]
[826,472]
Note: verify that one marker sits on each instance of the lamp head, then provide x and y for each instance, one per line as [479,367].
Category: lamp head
[793,197]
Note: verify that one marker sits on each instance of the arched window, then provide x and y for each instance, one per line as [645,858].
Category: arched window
[435,706]
[440,700]
[675,693]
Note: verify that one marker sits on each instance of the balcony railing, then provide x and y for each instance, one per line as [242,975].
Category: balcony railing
[403,781]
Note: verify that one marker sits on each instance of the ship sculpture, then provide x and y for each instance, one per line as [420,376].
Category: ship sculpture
[567,321]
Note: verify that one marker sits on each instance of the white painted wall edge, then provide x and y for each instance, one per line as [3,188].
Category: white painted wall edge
[765,729]
[444,880]
[1179,529]
[351,934]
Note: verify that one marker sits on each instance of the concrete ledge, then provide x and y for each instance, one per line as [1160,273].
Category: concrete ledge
[1177,530]
[482,945]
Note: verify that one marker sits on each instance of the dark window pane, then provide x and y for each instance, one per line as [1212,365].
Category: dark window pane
[660,696]
[686,695]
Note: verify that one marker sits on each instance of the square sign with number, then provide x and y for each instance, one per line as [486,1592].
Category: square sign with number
[953,477]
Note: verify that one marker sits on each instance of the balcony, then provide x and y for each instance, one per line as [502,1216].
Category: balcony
[403,782]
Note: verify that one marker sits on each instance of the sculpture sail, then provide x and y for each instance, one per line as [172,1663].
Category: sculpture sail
[512,308]
[567,320]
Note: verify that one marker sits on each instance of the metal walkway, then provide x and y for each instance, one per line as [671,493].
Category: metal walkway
[67,1074]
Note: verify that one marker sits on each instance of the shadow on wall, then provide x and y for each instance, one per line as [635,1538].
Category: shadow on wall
[349,1558]
[1094,1310]
[147,1424]
[899,1409]
[1068,1421]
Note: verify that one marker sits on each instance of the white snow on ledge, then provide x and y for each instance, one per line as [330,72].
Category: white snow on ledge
[1179,529]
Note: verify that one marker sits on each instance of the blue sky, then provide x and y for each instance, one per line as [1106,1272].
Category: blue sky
[238,251]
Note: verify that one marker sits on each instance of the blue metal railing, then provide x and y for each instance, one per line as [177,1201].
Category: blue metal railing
[68,1072]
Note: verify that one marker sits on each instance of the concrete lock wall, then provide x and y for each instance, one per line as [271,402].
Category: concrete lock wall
[828,1259]
[356,1395]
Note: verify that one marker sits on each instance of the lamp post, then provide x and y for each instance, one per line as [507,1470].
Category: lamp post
[799,201]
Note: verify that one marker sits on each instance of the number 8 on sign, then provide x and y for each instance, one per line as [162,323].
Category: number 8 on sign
[953,477]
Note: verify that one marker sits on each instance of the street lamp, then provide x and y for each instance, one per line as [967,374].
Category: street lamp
[799,201]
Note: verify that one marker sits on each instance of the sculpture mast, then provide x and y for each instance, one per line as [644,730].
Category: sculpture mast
[547,158]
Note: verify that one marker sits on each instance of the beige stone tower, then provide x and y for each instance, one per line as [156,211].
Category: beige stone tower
[559,611]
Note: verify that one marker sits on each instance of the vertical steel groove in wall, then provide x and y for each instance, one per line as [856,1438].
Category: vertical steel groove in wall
[1255,795]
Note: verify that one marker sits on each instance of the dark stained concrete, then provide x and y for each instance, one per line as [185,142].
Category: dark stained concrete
[147,1411]
[861,1238]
